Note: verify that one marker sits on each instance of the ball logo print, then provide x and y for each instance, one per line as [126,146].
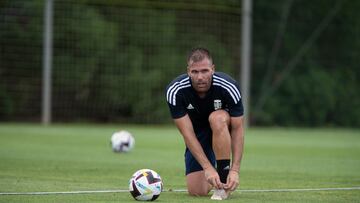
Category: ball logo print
[145,185]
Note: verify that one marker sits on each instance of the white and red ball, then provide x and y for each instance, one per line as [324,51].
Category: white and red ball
[145,185]
[122,141]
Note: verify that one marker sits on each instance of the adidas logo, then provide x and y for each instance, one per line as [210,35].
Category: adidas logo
[190,107]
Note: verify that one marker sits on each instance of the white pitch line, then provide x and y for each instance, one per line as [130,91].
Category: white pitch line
[63,192]
[180,190]
[301,189]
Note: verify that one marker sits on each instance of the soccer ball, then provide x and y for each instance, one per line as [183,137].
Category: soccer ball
[145,185]
[122,141]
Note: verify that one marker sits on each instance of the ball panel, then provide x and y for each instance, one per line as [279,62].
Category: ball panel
[134,191]
[154,197]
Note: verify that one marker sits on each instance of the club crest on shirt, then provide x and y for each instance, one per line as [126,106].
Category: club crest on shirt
[217,104]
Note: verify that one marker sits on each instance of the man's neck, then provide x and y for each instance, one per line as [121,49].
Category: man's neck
[201,94]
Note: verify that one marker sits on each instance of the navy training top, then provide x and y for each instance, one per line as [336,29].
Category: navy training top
[224,93]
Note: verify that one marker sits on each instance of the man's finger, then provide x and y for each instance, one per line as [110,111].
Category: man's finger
[219,185]
[235,186]
[229,184]
[212,182]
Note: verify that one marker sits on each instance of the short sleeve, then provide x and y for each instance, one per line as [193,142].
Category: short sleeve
[178,110]
[232,95]
[236,110]
[174,96]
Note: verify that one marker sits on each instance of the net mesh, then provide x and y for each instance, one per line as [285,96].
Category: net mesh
[113,59]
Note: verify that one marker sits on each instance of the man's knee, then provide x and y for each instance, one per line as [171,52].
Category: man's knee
[197,184]
[219,120]
[198,191]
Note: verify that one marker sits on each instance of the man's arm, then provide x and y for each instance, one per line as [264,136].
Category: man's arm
[187,131]
[237,146]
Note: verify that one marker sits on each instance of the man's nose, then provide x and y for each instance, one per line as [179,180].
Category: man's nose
[200,76]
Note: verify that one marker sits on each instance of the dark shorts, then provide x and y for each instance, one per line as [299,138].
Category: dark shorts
[205,139]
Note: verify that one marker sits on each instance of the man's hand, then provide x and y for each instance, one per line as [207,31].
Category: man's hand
[232,181]
[213,177]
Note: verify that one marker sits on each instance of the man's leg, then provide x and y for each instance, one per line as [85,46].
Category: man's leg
[197,184]
[219,123]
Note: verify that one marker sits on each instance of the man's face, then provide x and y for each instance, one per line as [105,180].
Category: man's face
[201,75]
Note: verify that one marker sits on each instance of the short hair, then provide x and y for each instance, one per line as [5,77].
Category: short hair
[198,54]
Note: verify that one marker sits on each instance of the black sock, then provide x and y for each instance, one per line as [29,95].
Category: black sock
[223,167]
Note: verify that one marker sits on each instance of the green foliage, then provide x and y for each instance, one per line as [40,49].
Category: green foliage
[6,103]
[20,57]
[347,98]
[306,99]
[79,65]
[320,87]
[119,60]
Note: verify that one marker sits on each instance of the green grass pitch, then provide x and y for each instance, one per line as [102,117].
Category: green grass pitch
[35,158]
